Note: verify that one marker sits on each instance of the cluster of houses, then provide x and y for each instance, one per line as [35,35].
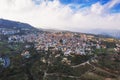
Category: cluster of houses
[22,38]
[117,49]
[67,42]
[5,31]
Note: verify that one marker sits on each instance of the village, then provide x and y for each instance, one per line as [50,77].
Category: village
[70,49]
[68,42]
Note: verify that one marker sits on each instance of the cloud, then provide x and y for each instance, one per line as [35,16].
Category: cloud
[55,15]
[112,3]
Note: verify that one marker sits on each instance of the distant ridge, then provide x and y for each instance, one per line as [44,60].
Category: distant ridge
[106,32]
[4,23]
[14,24]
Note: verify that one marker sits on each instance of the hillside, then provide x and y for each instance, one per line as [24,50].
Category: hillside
[14,25]
[27,53]
[106,32]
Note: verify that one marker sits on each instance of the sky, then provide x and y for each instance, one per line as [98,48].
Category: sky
[74,15]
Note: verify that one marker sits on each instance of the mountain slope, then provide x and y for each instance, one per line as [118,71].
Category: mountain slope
[106,32]
[13,24]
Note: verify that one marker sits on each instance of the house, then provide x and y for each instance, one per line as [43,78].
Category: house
[27,46]
[66,61]
[26,54]
[98,46]
[67,52]
[80,51]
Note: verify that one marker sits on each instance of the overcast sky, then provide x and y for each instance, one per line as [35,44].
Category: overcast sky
[73,15]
